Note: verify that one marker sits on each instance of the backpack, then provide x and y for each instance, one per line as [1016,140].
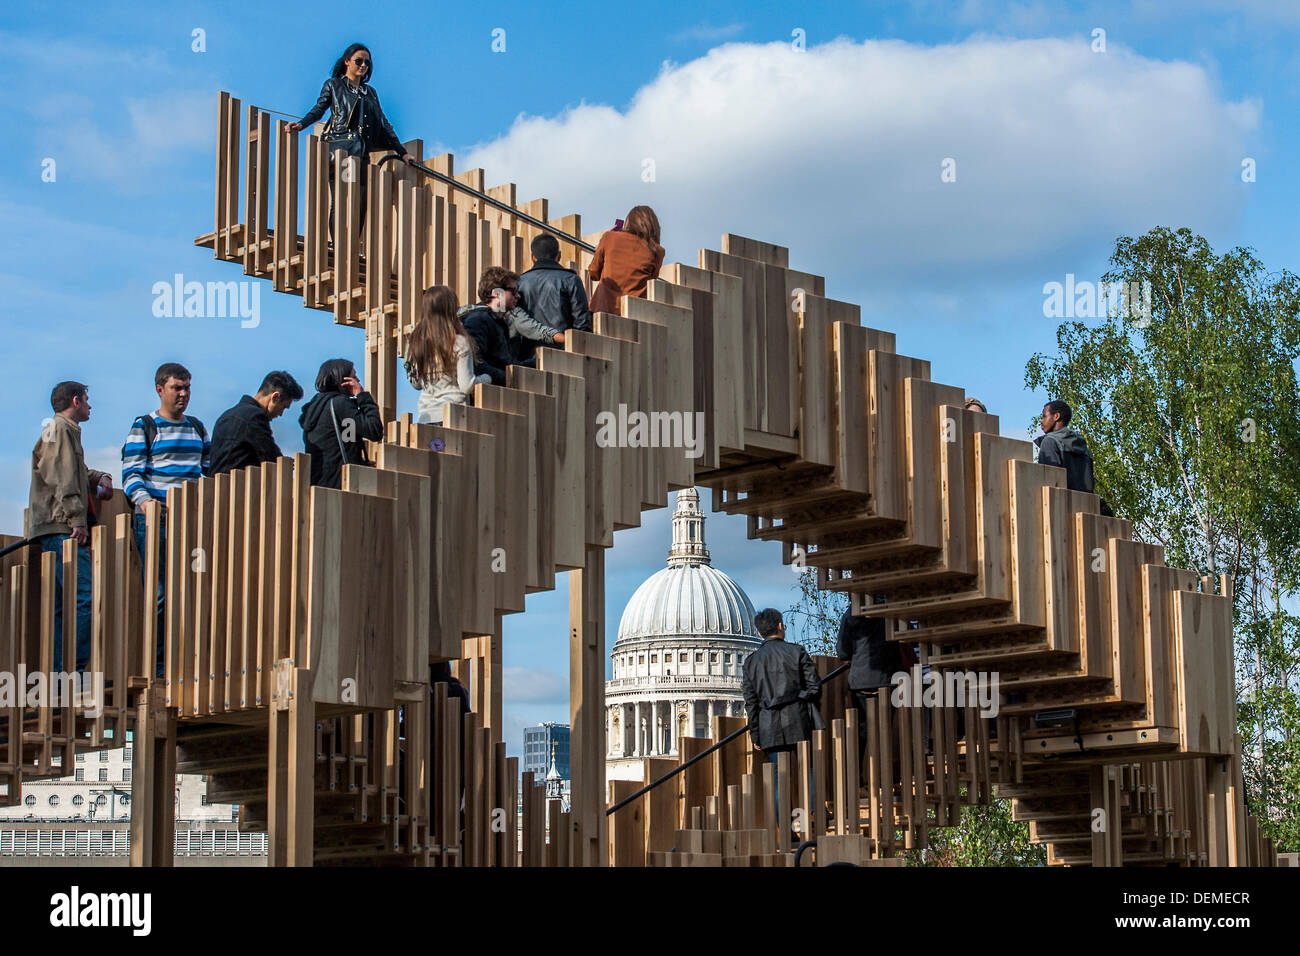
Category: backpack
[150,429]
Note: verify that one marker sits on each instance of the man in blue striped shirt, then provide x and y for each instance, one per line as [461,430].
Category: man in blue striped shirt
[162,451]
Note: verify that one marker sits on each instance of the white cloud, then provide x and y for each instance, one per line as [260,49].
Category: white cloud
[836,152]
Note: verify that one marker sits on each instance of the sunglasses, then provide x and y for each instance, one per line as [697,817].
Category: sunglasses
[360,61]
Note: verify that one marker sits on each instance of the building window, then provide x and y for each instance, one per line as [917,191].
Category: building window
[699,657]
[726,658]
[78,800]
[681,658]
[103,774]
[80,775]
[54,799]
[30,800]
[81,758]
[125,801]
[126,775]
[101,800]
[640,658]
[103,756]
[203,799]
[654,658]
[126,754]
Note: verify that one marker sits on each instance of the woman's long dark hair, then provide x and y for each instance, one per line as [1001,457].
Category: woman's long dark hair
[431,346]
[332,373]
[341,64]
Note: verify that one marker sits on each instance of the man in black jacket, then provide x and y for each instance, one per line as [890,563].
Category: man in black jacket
[874,660]
[242,435]
[552,294]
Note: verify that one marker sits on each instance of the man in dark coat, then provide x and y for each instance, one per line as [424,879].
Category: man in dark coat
[782,691]
[874,659]
[552,294]
[242,435]
[781,688]
[1064,447]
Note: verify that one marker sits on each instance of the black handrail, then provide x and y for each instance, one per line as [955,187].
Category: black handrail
[15,546]
[504,207]
[700,756]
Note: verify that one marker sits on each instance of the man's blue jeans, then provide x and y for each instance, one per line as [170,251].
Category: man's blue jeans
[54,543]
[141,531]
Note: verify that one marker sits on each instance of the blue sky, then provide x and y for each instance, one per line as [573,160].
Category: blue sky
[833,150]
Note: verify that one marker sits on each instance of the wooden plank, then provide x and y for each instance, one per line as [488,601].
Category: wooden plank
[587,707]
[201,572]
[350,638]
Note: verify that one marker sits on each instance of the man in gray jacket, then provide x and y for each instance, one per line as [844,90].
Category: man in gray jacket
[1064,447]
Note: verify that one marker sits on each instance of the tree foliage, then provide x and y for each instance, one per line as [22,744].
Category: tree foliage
[813,620]
[984,836]
[1191,415]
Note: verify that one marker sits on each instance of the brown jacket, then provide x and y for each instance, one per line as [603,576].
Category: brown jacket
[60,480]
[627,260]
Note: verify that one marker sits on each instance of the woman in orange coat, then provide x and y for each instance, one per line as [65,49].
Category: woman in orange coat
[626,260]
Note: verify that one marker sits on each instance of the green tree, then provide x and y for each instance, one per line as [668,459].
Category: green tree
[983,836]
[1190,410]
[813,620]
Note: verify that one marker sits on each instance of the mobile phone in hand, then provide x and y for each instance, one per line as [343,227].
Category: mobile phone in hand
[618,225]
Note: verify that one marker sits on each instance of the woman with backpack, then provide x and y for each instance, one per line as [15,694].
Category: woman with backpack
[440,356]
[336,422]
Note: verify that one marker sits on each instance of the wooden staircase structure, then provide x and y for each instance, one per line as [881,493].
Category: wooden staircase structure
[301,621]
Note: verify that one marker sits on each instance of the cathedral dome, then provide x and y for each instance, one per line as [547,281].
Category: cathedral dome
[690,597]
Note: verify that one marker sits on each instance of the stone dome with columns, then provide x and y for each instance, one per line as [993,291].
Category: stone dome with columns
[682,643]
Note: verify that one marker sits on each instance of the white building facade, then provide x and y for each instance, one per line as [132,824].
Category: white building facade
[680,653]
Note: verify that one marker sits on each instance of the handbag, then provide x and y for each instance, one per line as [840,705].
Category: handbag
[347,139]
[338,435]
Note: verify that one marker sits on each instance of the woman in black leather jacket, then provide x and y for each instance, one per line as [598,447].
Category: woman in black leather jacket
[357,123]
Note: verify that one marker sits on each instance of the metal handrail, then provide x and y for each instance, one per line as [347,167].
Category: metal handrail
[456,184]
[700,756]
[504,207]
[15,546]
